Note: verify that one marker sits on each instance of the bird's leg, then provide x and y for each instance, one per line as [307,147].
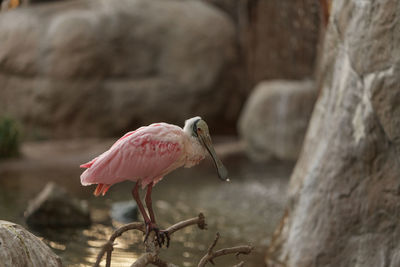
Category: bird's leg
[160,235]
[149,202]
[135,194]
[150,223]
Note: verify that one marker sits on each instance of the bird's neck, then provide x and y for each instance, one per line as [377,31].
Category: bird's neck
[195,152]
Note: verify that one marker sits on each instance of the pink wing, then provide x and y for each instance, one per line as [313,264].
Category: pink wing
[146,154]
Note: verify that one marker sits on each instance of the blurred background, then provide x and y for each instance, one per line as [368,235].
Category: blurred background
[77,74]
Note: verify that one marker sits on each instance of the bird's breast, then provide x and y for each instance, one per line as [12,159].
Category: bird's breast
[194,152]
[192,161]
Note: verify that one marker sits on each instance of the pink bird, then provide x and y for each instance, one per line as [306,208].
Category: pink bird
[145,156]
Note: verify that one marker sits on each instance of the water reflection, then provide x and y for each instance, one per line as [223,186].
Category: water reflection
[243,211]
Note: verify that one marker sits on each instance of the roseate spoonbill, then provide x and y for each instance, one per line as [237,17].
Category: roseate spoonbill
[145,156]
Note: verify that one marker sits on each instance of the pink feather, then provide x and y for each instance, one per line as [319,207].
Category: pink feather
[144,155]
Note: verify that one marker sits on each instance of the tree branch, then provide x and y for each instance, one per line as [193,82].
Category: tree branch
[152,249]
[199,220]
[148,258]
[240,264]
[143,260]
[108,246]
[209,257]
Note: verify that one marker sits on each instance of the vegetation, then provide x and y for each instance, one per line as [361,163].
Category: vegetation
[9,137]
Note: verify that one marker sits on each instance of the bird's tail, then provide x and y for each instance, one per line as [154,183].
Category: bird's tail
[101,189]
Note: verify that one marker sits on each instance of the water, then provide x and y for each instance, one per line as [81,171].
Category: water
[244,211]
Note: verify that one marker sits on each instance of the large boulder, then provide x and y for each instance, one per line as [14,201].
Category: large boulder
[275,118]
[276,39]
[99,67]
[345,188]
[54,207]
[20,248]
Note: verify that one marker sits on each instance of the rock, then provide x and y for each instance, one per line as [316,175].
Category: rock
[345,188]
[54,207]
[20,248]
[124,211]
[277,39]
[275,118]
[99,68]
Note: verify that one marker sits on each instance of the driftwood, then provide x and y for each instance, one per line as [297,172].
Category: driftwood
[151,255]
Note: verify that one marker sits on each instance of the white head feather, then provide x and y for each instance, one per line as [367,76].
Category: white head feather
[188,128]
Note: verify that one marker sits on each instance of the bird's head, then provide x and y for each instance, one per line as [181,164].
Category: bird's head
[198,128]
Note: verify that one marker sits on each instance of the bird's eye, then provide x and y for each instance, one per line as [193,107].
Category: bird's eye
[195,129]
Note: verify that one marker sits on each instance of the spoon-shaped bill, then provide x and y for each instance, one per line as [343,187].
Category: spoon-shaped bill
[222,171]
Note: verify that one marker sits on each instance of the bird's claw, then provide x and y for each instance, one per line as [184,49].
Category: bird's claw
[161,236]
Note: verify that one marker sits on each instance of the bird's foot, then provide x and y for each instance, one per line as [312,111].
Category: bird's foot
[162,236]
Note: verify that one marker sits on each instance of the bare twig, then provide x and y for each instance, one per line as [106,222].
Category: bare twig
[214,243]
[108,246]
[199,220]
[209,257]
[152,250]
[108,259]
[148,258]
[240,264]
[143,260]
[211,247]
